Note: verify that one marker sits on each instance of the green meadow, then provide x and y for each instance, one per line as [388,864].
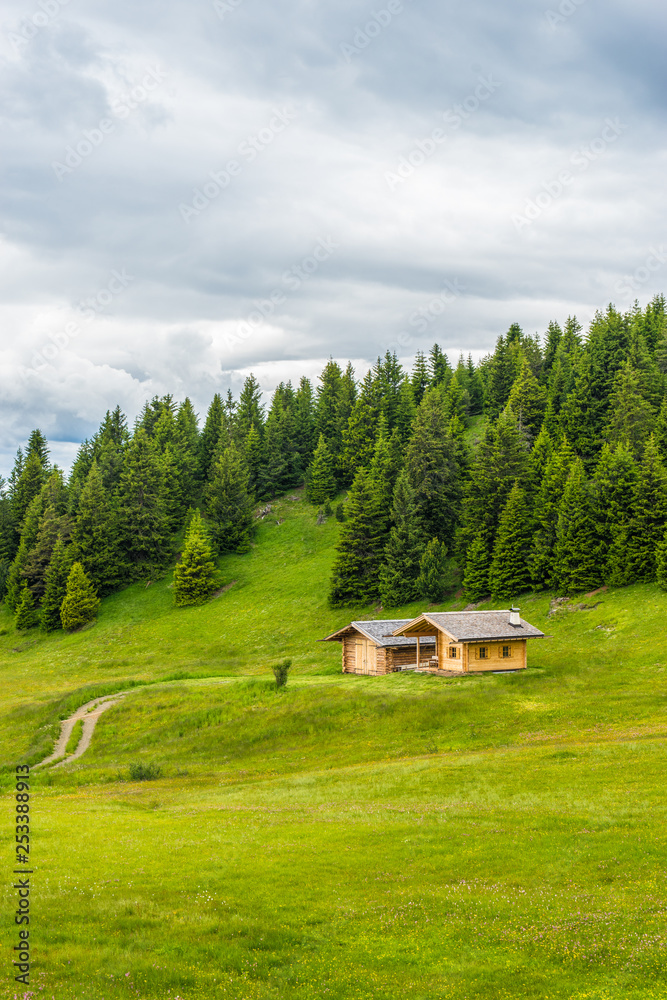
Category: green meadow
[344,837]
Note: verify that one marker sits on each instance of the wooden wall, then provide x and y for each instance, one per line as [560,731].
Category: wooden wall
[494,656]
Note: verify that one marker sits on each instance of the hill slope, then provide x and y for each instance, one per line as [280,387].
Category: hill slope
[348,836]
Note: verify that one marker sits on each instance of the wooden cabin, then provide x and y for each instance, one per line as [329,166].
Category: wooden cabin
[452,641]
[474,641]
[372,648]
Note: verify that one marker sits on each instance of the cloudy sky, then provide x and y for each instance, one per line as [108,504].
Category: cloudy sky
[191,191]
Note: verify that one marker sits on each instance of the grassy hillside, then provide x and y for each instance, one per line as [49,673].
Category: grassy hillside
[346,837]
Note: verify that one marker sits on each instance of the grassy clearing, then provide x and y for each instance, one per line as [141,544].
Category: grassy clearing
[75,736]
[344,837]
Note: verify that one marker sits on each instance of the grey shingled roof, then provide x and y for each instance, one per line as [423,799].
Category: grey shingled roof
[381,633]
[468,626]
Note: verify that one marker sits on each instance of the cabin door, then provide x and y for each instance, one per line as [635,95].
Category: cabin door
[361,663]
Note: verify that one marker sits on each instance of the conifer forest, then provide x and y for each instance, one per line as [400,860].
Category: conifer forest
[543,466]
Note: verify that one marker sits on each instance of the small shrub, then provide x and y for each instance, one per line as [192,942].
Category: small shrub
[280,672]
[327,509]
[144,772]
[340,512]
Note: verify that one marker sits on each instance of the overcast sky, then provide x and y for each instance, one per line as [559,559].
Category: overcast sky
[191,191]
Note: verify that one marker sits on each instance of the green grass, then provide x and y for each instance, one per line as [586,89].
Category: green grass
[347,837]
[75,736]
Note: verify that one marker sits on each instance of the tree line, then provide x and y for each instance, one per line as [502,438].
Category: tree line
[541,466]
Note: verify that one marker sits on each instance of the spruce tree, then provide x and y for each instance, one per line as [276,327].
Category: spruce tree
[194,575]
[26,616]
[614,485]
[55,586]
[509,574]
[631,418]
[51,528]
[433,464]
[433,579]
[209,438]
[578,561]
[545,515]
[476,576]
[95,534]
[649,515]
[250,411]
[15,578]
[661,562]
[255,458]
[403,551]
[358,438]
[229,502]
[81,602]
[440,368]
[528,401]
[321,481]
[356,570]
[305,430]
[419,377]
[143,528]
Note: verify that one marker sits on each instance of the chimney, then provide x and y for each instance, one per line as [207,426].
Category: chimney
[514,616]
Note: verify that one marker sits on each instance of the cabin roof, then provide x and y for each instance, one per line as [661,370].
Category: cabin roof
[381,632]
[469,626]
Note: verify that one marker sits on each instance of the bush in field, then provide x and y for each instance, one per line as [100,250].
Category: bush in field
[280,672]
[144,772]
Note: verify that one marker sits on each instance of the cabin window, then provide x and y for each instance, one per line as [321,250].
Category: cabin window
[506,651]
[453,652]
[483,652]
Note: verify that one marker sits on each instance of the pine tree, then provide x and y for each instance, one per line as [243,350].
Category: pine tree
[433,579]
[55,580]
[503,369]
[403,551]
[143,527]
[509,574]
[255,457]
[305,429]
[321,482]
[194,576]
[476,576]
[81,602]
[27,616]
[356,570]
[475,388]
[229,503]
[578,563]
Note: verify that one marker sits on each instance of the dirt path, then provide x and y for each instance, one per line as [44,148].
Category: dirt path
[90,713]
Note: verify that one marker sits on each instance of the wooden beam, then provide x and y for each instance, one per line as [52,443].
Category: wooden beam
[418,662]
